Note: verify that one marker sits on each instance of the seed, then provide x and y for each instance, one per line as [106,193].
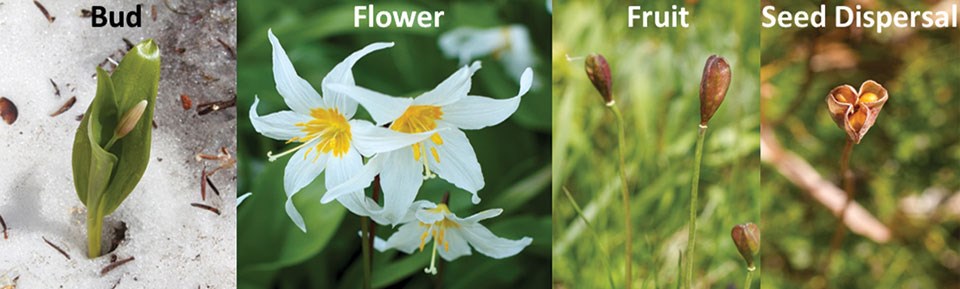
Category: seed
[8,111]
[66,106]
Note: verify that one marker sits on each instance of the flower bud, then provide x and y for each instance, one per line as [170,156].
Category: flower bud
[856,111]
[713,86]
[599,73]
[130,119]
[747,239]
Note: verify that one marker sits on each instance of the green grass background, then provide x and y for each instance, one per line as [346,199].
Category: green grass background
[273,253]
[656,75]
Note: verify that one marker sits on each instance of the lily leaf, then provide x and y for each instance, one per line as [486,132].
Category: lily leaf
[136,79]
[92,165]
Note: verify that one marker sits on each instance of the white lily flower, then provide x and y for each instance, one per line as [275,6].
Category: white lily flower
[452,236]
[447,109]
[510,44]
[329,140]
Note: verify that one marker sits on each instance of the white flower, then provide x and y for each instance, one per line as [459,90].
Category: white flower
[452,236]
[329,140]
[446,109]
[510,44]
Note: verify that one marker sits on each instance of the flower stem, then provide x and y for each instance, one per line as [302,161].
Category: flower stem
[596,237]
[94,230]
[626,197]
[367,266]
[847,178]
[694,187]
[749,281]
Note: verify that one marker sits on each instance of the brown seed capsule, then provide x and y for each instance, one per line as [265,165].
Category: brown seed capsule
[8,111]
[713,86]
[599,73]
[747,239]
[856,111]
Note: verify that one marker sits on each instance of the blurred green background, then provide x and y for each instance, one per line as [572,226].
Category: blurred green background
[656,80]
[912,152]
[515,155]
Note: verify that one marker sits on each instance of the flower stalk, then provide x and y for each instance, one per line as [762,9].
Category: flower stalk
[598,71]
[714,83]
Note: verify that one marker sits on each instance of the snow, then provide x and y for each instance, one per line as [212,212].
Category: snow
[175,244]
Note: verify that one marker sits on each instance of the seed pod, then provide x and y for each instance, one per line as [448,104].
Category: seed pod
[599,73]
[713,86]
[8,111]
[747,239]
[856,111]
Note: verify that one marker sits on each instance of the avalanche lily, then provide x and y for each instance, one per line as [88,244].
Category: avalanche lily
[510,44]
[452,236]
[447,109]
[329,139]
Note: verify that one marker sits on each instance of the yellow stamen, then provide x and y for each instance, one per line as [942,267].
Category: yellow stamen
[329,127]
[420,119]
[438,231]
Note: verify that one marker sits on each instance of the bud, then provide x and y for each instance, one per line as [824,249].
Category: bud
[599,73]
[747,239]
[856,111]
[713,87]
[130,119]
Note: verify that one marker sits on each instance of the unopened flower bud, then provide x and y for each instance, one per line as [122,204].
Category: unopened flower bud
[713,87]
[599,73]
[856,111]
[130,119]
[747,239]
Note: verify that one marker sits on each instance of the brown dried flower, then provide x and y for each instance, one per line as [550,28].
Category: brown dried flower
[856,111]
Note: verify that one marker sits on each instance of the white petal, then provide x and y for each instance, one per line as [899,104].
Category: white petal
[520,55]
[383,108]
[486,214]
[340,169]
[240,199]
[476,112]
[361,205]
[470,43]
[302,169]
[401,178]
[456,247]
[489,244]
[298,173]
[370,139]
[450,90]
[406,239]
[294,215]
[458,162]
[278,125]
[428,216]
[357,182]
[297,92]
[343,74]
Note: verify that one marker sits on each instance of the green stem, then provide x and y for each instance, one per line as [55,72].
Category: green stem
[110,143]
[749,281]
[694,187]
[596,237]
[847,179]
[626,197]
[94,230]
[367,266]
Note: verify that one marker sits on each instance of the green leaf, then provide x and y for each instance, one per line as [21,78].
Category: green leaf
[93,166]
[136,79]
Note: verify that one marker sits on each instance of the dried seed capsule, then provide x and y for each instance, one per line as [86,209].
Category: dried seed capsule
[747,239]
[713,86]
[8,111]
[856,111]
[599,73]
